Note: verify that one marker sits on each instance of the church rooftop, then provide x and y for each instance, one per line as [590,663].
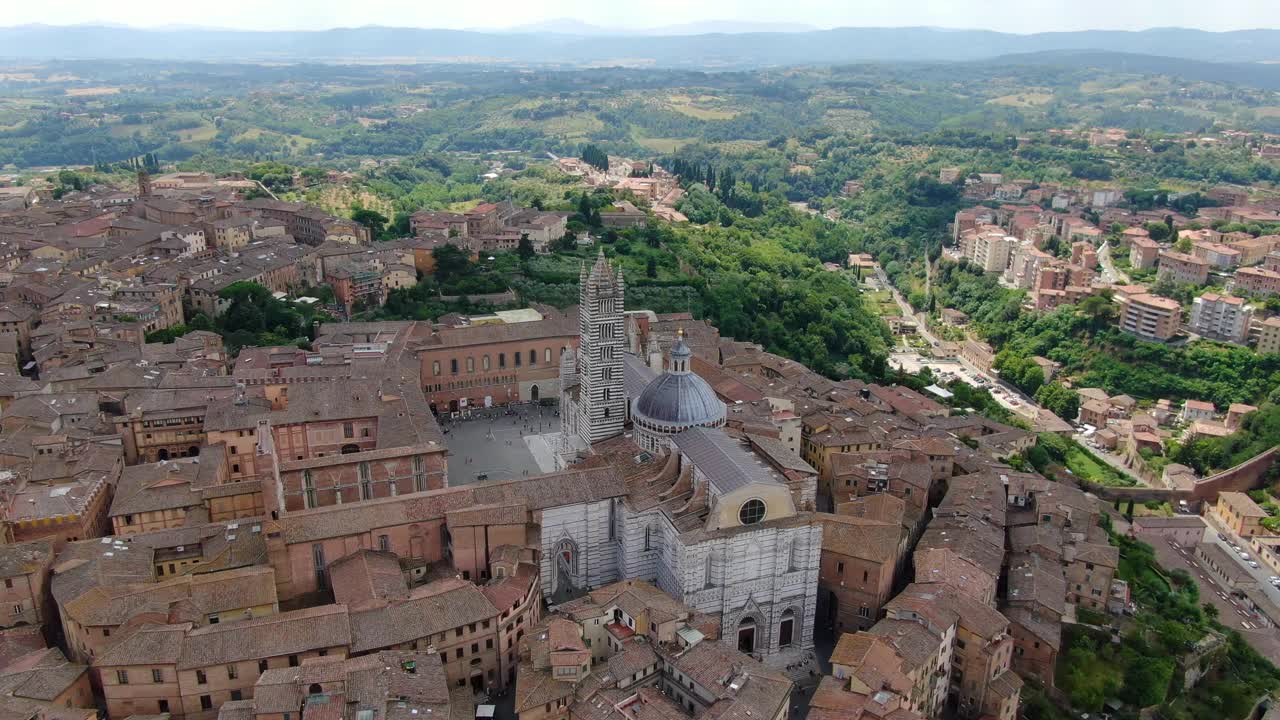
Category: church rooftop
[727,464]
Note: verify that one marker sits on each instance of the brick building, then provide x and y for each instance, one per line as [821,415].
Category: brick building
[493,364]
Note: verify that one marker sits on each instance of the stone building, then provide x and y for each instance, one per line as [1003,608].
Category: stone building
[713,524]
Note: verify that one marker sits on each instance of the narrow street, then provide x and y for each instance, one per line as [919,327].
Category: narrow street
[1109,272]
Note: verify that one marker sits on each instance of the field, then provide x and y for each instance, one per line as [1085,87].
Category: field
[339,199]
[702,107]
[1023,100]
[882,302]
[663,145]
[91,91]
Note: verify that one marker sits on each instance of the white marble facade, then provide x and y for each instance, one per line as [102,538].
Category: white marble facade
[761,578]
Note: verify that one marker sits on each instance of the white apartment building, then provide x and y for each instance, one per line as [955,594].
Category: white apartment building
[1221,317]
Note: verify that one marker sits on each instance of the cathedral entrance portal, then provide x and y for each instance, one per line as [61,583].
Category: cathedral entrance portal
[533,393]
[747,635]
[565,582]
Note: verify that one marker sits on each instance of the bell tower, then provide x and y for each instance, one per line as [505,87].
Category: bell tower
[602,340]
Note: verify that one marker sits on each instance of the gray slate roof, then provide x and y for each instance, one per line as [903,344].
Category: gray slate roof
[724,460]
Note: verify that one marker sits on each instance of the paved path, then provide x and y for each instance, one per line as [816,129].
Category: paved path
[1109,272]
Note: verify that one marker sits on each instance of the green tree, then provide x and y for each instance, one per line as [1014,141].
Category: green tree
[372,219]
[451,262]
[595,157]
[1060,400]
[525,248]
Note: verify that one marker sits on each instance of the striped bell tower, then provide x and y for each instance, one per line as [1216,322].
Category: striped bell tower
[602,340]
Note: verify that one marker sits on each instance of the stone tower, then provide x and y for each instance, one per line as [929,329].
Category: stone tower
[602,341]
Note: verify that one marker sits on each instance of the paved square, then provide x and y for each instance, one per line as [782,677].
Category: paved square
[502,446]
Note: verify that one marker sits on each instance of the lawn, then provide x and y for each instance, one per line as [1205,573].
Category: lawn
[882,301]
[1081,462]
[1084,464]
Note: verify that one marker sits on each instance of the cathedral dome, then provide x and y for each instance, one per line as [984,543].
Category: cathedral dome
[678,399]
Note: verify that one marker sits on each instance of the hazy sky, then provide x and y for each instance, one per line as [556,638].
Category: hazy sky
[1006,15]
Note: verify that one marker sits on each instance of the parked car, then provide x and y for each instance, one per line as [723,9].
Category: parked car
[1253,564]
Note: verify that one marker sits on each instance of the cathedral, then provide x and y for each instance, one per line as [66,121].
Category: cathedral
[702,517]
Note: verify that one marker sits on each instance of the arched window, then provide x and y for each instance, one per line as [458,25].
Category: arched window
[435,367]
[710,570]
[787,628]
[484,362]
[751,512]
[471,364]
[648,537]
[547,355]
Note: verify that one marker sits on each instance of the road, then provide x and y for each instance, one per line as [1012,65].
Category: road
[1109,272]
[1232,613]
[1261,574]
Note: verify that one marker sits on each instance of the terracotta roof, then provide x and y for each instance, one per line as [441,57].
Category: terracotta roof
[149,645]
[288,633]
[861,538]
[367,575]
[431,609]
[25,558]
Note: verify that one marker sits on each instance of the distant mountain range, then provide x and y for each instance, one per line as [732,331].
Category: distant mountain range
[676,46]
[570,26]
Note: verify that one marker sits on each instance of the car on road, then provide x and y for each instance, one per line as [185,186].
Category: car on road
[1222,537]
[1254,564]
[1235,547]
[1244,556]
[1273,579]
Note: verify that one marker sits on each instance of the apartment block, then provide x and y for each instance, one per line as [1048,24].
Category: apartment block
[1257,281]
[1221,317]
[1268,332]
[1182,268]
[1143,252]
[1150,317]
